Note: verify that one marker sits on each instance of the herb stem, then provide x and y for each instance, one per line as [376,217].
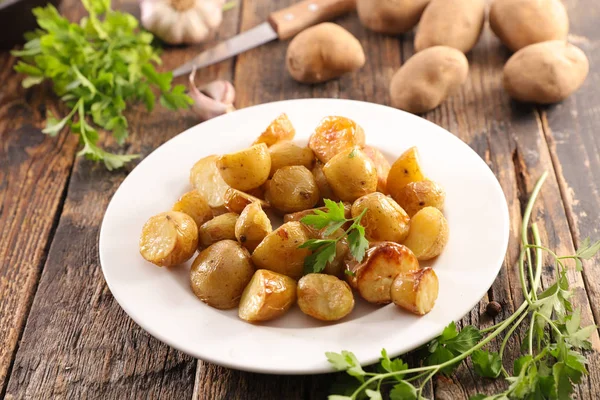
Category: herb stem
[522,277]
[510,332]
[531,325]
[538,256]
[549,321]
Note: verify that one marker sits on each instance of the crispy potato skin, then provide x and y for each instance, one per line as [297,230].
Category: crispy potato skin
[335,135]
[206,179]
[236,200]
[382,165]
[384,219]
[418,195]
[279,250]
[252,226]
[416,291]
[292,189]
[194,205]
[220,273]
[268,296]
[221,227]
[390,16]
[279,129]
[325,191]
[324,297]
[351,174]
[404,170]
[169,239]
[246,169]
[428,233]
[286,154]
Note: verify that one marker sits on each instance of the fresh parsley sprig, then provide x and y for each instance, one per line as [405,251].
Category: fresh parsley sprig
[325,250]
[553,361]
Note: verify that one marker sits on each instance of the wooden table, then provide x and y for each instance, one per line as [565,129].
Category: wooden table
[62,335]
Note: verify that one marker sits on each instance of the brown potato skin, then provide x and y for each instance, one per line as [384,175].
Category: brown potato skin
[334,135]
[246,169]
[221,227]
[519,23]
[545,73]
[418,195]
[268,296]
[428,233]
[390,16]
[323,52]
[194,205]
[382,165]
[324,297]
[384,219]
[351,174]
[180,250]
[279,129]
[416,291]
[236,200]
[220,273]
[404,170]
[292,189]
[286,154]
[252,226]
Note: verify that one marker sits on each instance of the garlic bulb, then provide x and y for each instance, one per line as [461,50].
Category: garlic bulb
[213,99]
[182,21]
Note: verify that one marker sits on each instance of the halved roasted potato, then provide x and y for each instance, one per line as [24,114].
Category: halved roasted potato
[382,165]
[169,238]
[428,233]
[325,191]
[252,226]
[335,135]
[221,227]
[193,204]
[416,291]
[286,153]
[351,174]
[324,297]
[246,169]
[404,170]
[292,189]
[267,296]
[206,179]
[279,129]
[418,195]
[236,200]
[384,219]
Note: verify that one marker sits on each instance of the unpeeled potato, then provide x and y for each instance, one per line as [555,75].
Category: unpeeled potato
[325,191]
[418,195]
[384,219]
[351,174]
[236,200]
[194,205]
[324,297]
[428,233]
[207,181]
[246,169]
[169,238]
[404,170]
[382,165]
[267,296]
[279,129]
[416,291]
[252,226]
[292,189]
[286,154]
[221,227]
[390,16]
[335,135]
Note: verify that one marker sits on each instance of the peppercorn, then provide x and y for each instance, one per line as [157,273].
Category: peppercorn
[493,308]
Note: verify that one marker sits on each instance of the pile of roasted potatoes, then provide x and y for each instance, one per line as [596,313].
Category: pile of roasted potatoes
[245,263]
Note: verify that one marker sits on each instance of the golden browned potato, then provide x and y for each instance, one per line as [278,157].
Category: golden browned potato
[404,170]
[286,153]
[382,165]
[383,262]
[219,228]
[194,205]
[220,273]
[236,200]
[390,16]
[246,169]
[324,297]
[169,238]
[267,296]
[325,190]
[292,189]
[351,174]
[335,135]
[279,129]
[417,195]
[297,216]
[252,226]
[428,233]
[279,251]
[416,291]
[206,179]
[384,219]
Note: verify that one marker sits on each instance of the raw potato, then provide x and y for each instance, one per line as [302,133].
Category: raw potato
[453,23]
[351,174]
[194,205]
[519,23]
[384,219]
[405,169]
[381,164]
[416,291]
[428,233]
[236,201]
[252,226]
[292,189]
[206,179]
[323,52]
[545,72]
[383,262]
[286,153]
[324,297]
[428,78]
[280,129]
[417,195]
[279,251]
[221,227]
[169,238]
[246,169]
[267,296]
[325,191]
[390,16]
[220,273]
[335,135]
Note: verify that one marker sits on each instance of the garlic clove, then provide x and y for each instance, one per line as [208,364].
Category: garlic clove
[213,99]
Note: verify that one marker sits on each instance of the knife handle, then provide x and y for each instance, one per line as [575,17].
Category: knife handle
[297,17]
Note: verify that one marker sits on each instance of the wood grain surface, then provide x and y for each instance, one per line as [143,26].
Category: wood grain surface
[62,335]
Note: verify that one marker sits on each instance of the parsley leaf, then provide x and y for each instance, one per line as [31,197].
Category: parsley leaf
[403,391]
[486,364]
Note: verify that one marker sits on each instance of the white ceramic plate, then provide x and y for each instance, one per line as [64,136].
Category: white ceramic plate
[161,301]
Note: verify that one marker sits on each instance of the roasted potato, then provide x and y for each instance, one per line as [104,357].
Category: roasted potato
[246,169]
[335,135]
[194,205]
[292,189]
[279,250]
[390,16]
[324,297]
[417,195]
[169,238]
[280,129]
[383,262]
[428,233]
[286,154]
[384,219]
[315,233]
[219,228]
[382,165]
[207,181]
[252,226]
[236,200]
[416,291]
[404,170]
[267,296]
[351,174]
[325,191]
[220,273]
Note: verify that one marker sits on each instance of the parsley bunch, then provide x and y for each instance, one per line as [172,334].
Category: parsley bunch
[97,67]
[553,361]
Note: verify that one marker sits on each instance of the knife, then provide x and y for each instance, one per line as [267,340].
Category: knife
[282,25]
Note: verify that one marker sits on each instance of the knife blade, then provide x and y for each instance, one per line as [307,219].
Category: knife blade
[282,24]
